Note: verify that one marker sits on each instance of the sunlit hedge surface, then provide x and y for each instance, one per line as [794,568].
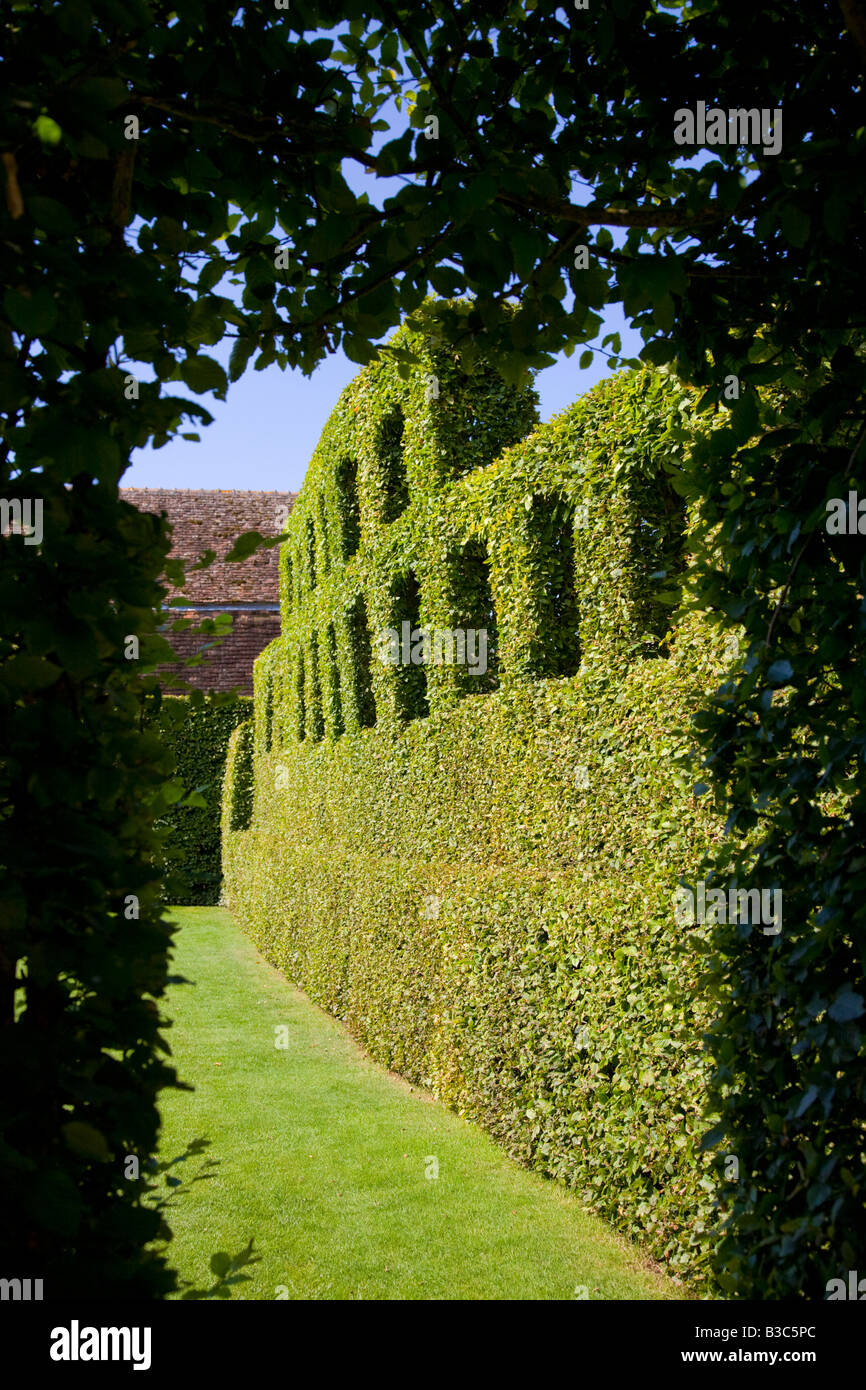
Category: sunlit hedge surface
[476,872]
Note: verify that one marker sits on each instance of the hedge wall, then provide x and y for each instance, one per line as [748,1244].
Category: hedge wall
[197,731]
[477,873]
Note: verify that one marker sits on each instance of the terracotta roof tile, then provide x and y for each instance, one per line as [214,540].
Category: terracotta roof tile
[211,519]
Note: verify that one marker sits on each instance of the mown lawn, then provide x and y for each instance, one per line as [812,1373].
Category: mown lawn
[322,1159]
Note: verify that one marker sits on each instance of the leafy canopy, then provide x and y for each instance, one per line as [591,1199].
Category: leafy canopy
[516,134]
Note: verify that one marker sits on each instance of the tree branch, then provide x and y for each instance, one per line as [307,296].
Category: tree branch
[595,215]
[262,127]
[691,269]
[121,192]
[14,201]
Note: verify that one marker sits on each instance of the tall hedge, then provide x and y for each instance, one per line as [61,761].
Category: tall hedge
[481,884]
[196,730]
[84,948]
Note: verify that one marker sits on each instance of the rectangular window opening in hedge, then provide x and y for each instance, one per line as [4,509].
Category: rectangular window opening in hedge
[311,553]
[411,675]
[659,546]
[477,442]
[198,735]
[335,692]
[392,465]
[358,627]
[475,611]
[288,584]
[300,699]
[323,536]
[346,479]
[315,719]
[269,711]
[551,523]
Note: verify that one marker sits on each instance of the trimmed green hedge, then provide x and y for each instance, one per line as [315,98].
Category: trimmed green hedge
[481,884]
[197,732]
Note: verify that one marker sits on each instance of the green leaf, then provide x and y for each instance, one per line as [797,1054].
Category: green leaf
[239,357]
[30,314]
[810,1095]
[86,1142]
[203,374]
[212,273]
[51,215]
[172,791]
[47,130]
[26,672]
[446,280]
[795,224]
[358,349]
[713,1137]
[846,1006]
[780,672]
[247,544]
[658,351]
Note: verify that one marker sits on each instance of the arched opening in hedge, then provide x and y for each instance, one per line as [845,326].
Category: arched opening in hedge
[358,631]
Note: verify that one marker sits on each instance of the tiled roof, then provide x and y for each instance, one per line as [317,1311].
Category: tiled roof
[230,665]
[209,519]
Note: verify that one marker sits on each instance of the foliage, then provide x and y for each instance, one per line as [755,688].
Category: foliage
[196,730]
[533,130]
[484,894]
[84,946]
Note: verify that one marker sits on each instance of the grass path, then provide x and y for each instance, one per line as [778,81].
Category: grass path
[320,1157]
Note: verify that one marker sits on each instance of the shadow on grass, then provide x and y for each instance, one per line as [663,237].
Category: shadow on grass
[227,1269]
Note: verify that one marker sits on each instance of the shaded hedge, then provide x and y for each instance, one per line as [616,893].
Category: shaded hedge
[484,891]
[196,733]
